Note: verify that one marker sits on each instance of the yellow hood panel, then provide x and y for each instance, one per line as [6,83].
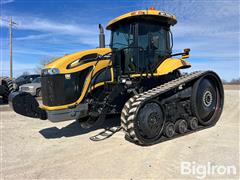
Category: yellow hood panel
[62,62]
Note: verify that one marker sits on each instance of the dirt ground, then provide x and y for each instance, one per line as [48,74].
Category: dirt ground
[232,86]
[34,149]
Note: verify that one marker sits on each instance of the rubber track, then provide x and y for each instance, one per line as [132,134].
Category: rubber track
[8,82]
[128,113]
[8,86]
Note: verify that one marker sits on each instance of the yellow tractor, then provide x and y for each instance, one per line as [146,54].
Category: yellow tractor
[137,77]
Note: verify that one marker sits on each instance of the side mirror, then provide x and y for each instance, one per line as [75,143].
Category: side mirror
[31,79]
[186,53]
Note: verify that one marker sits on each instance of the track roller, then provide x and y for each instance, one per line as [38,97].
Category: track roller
[193,123]
[181,126]
[169,130]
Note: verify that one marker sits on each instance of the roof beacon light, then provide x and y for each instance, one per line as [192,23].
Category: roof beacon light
[152,8]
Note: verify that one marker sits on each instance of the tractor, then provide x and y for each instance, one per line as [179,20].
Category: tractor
[137,77]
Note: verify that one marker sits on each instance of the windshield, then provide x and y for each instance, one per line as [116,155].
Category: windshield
[154,37]
[147,36]
[140,46]
[21,78]
[121,37]
[37,80]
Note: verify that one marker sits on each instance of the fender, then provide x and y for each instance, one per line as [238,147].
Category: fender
[171,64]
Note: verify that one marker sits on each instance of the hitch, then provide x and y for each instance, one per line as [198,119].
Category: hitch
[25,104]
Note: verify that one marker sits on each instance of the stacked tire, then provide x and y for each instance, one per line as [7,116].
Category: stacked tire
[6,87]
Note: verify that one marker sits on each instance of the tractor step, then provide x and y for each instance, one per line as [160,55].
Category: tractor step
[25,104]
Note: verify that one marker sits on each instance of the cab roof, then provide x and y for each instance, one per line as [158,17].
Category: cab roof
[152,12]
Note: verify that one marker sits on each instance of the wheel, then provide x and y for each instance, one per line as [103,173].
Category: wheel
[181,126]
[38,93]
[148,124]
[6,88]
[169,130]
[193,123]
[7,82]
[206,101]
[4,94]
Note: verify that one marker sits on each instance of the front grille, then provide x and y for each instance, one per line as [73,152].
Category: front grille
[62,89]
[24,88]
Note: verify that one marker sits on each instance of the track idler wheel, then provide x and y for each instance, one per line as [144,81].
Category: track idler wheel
[149,123]
[181,126]
[169,130]
[143,124]
[193,123]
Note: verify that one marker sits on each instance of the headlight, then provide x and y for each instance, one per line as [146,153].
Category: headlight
[50,71]
[15,86]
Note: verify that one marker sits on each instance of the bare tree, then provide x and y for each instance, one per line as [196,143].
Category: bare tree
[235,81]
[224,81]
[25,73]
[43,62]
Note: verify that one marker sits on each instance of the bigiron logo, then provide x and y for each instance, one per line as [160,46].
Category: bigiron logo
[202,171]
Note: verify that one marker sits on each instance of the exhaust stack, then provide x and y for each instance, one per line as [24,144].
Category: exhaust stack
[101,37]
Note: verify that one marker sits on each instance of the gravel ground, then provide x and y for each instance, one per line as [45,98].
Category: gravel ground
[34,149]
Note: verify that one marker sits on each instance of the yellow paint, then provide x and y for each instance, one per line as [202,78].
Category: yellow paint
[171,18]
[172,64]
[185,56]
[167,66]
[102,83]
[63,62]
[138,75]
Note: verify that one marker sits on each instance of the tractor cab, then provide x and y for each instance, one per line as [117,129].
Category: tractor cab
[140,41]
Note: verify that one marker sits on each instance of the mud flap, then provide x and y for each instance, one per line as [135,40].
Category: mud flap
[25,104]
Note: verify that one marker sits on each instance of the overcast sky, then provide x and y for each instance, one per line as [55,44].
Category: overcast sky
[52,28]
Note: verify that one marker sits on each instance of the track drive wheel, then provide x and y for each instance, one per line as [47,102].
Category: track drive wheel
[143,125]
[207,99]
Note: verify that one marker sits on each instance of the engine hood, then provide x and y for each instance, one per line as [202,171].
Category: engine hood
[63,63]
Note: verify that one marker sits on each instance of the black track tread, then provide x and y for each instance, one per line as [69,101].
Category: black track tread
[7,83]
[129,111]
